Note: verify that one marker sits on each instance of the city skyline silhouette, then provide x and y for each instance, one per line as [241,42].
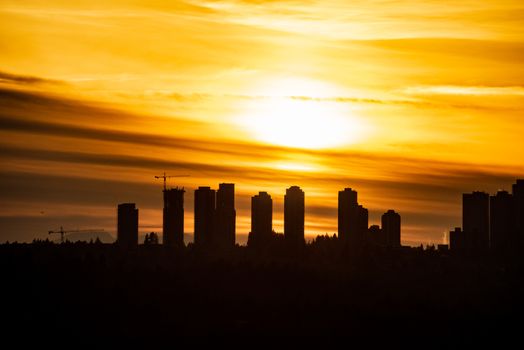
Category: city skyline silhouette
[490,223]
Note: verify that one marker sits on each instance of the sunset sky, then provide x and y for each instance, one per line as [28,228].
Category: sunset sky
[411,103]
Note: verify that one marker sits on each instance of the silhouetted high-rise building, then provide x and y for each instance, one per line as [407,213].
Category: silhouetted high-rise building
[127,225]
[261,219]
[204,216]
[225,215]
[391,228]
[518,195]
[363,221]
[502,221]
[475,220]
[173,228]
[348,216]
[294,216]
[457,240]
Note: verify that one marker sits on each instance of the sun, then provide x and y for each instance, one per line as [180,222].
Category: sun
[302,114]
[299,123]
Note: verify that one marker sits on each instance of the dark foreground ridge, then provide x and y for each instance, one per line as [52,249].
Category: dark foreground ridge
[99,292]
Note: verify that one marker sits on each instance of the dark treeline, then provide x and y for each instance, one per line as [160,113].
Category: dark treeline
[378,294]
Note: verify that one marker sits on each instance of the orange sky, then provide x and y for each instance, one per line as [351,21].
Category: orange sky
[410,103]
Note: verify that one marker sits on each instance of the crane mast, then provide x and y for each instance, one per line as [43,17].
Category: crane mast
[165,177]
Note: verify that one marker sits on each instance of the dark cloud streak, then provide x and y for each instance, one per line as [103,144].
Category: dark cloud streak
[74,131]
[117,160]
[26,79]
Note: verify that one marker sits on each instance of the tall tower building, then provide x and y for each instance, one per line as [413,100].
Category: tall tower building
[518,195]
[391,228]
[261,219]
[173,220]
[225,215]
[475,220]
[204,216]
[502,221]
[127,225]
[348,216]
[294,216]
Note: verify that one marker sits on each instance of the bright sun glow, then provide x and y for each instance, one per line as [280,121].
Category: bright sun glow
[299,113]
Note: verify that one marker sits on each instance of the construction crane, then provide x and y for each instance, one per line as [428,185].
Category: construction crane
[63,232]
[165,177]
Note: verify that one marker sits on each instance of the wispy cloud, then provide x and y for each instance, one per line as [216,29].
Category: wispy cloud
[415,96]
[466,90]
